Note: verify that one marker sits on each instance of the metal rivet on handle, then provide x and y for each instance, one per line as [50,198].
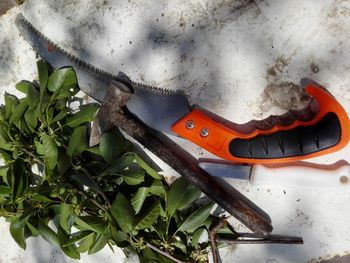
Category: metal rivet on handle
[204,132]
[189,124]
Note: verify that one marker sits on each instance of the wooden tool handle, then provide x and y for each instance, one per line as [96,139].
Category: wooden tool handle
[181,161]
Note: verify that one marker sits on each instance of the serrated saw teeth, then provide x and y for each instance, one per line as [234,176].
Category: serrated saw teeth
[36,35]
[51,46]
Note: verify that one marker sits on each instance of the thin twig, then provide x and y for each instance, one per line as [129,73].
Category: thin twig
[270,239]
[165,254]
[99,189]
[33,156]
[212,235]
[93,200]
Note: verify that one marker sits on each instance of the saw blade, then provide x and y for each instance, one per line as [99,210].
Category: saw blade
[157,107]
[92,80]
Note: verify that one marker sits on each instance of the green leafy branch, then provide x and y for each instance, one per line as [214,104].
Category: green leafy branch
[82,198]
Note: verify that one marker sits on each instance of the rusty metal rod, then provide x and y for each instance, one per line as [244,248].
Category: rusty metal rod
[181,161]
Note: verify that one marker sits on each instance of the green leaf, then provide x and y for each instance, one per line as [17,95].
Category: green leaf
[34,231]
[48,234]
[86,114]
[68,93]
[131,177]
[4,171]
[149,170]
[123,213]
[157,188]
[191,194]
[61,104]
[78,142]
[49,114]
[17,231]
[2,113]
[5,141]
[22,126]
[119,165]
[162,211]
[19,111]
[41,198]
[69,250]
[44,103]
[99,243]
[66,217]
[196,219]
[94,150]
[55,208]
[87,181]
[19,179]
[119,237]
[111,145]
[39,147]
[180,245]
[148,218]
[11,102]
[5,190]
[31,120]
[77,237]
[33,96]
[61,115]
[180,195]
[50,152]
[6,156]
[61,80]
[197,235]
[92,223]
[64,162]
[147,255]
[86,243]
[23,86]
[43,72]
[138,199]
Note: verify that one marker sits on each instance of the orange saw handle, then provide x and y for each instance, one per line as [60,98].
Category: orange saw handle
[327,132]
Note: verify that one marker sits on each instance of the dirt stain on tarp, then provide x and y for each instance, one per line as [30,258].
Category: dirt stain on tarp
[6,5]
[285,95]
[338,259]
[281,93]
[6,55]
[337,20]
[278,67]
[335,259]
[314,68]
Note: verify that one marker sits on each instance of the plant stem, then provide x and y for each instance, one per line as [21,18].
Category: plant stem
[165,254]
[33,156]
[100,191]
[93,200]
[159,235]
[212,235]
[9,214]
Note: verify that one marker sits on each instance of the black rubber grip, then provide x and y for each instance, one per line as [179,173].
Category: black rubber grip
[301,140]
